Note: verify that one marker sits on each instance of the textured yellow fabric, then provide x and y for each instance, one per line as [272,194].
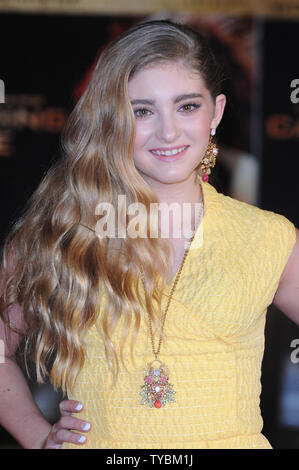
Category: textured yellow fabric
[213,347]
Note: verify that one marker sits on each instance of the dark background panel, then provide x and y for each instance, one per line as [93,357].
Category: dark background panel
[279,192]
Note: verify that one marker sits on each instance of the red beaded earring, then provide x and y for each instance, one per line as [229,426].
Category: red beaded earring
[209,160]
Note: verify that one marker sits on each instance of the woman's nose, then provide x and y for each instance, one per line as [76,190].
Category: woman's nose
[168,128]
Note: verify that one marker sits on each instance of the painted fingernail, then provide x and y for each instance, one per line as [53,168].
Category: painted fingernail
[86,427]
[81,439]
[79,407]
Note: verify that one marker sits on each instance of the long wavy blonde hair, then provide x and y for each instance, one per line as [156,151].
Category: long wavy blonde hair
[56,267]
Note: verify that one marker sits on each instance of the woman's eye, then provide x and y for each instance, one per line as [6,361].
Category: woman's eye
[189,107]
[142,112]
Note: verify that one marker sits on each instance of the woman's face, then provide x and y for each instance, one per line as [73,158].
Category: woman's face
[174,114]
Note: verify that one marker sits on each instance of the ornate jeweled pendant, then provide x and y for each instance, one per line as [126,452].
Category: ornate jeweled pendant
[156,390]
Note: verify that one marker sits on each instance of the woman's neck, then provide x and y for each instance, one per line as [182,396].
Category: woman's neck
[182,197]
[186,191]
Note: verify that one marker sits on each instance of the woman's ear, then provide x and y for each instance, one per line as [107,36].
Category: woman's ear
[220,103]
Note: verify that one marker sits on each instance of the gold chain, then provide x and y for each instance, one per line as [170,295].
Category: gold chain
[177,277]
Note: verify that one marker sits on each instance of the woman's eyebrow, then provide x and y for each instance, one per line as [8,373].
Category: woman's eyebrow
[187,96]
[177,99]
[142,101]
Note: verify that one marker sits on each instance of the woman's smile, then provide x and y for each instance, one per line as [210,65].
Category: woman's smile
[169,154]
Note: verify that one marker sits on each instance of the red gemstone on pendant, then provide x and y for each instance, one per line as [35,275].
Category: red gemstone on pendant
[205,177]
[158,404]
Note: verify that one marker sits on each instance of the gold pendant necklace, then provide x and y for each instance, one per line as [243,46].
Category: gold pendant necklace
[156,390]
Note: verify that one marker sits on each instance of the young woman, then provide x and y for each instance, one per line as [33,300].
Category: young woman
[158,340]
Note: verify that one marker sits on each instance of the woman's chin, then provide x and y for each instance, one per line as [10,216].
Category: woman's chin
[167,177]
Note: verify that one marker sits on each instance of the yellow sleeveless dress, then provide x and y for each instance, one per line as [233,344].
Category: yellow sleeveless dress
[213,347]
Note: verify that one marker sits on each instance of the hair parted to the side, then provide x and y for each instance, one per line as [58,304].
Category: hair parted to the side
[57,269]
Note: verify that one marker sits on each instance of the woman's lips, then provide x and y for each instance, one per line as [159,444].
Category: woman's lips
[169,158]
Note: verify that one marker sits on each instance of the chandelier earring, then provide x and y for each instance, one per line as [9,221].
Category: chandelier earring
[209,160]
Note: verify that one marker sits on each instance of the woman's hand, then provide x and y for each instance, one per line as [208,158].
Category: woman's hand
[62,431]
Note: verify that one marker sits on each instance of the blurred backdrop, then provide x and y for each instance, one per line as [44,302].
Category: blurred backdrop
[48,50]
